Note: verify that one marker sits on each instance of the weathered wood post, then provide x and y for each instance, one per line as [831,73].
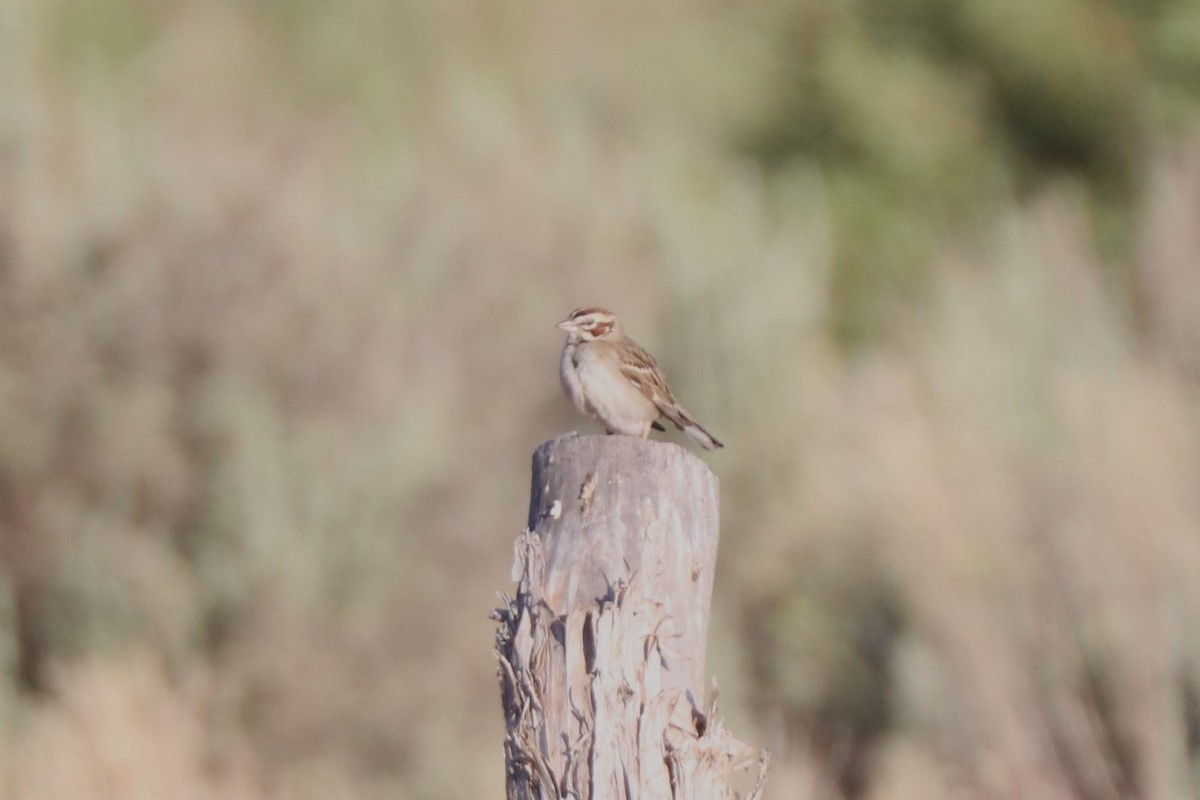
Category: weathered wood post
[602,650]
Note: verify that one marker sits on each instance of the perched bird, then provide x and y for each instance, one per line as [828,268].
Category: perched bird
[609,377]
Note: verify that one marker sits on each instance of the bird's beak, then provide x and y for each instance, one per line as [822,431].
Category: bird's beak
[565,325]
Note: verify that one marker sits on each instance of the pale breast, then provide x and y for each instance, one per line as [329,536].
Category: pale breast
[569,375]
[615,401]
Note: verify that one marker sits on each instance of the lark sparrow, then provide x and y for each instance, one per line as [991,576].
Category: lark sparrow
[609,376]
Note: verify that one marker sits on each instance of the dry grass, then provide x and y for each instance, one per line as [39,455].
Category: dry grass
[991,536]
[275,345]
[121,728]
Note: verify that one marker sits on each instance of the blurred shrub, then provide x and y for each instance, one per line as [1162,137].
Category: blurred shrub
[927,116]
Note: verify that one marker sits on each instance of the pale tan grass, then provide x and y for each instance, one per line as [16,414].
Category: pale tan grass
[120,728]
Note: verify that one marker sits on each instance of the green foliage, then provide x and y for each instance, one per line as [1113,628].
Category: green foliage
[934,113]
[87,35]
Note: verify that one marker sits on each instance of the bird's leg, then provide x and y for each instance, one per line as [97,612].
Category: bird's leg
[646,430]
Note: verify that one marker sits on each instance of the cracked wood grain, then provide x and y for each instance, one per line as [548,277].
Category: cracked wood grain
[602,648]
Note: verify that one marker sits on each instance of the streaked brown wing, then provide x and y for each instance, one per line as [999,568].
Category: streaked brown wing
[640,369]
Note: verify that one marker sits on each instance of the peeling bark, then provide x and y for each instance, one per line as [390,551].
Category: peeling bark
[602,648]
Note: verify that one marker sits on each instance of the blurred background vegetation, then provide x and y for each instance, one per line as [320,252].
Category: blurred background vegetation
[278,281]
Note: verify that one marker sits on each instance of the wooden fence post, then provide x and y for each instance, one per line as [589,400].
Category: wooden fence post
[602,649]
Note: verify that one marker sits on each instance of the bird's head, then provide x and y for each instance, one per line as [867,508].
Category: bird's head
[590,323]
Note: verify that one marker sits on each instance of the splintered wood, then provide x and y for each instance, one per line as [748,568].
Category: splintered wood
[600,691]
